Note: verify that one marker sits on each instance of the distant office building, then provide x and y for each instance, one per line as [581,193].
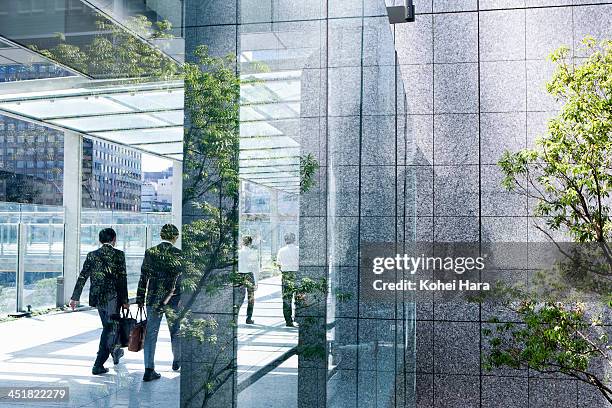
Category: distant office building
[20,72]
[31,163]
[156,193]
[111,176]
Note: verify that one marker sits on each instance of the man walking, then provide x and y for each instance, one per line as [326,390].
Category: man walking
[288,258]
[248,272]
[108,290]
[160,285]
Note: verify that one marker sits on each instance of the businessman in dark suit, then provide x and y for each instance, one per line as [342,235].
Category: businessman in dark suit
[160,286]
[108,291]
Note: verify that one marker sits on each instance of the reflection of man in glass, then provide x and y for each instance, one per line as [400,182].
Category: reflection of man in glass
[248,271]
[288,258]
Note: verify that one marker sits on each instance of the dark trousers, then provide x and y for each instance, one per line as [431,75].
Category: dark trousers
[109,339]
[288,293]
[154,318]
[247,285]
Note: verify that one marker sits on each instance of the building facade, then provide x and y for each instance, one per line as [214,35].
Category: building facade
[111,176]
[475,74]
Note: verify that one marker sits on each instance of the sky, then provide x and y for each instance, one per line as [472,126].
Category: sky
[154,163]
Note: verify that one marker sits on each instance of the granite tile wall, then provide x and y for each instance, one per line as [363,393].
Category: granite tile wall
[474,72]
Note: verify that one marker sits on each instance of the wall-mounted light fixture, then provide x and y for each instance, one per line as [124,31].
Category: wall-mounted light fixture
[400,11]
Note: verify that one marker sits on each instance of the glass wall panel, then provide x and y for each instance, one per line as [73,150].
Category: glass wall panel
[36,233]
[44,254]
[9,224]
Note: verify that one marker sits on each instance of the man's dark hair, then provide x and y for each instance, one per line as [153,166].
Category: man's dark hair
[247,240]
[169,232]
[289,238]
[107,235]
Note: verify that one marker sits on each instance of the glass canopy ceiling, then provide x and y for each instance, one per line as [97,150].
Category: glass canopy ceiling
[113,101]
[147,117]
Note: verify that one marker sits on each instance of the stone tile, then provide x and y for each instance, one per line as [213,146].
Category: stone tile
[214,12]
[419,190]
[538,74]
[541,3]
[456,38]
[589,396]
[345,45]
[345,8]
[456,190]
[502,35]
[423,6]
[456,229]
[343,140]
[345,233]
[254,11]
[549,393]
[454,309]
[378,140]
[501,132]
[378,45]
[419,89]
[495,199]
[537,126]
[313,102]
[344,92]
[593,20]
[453,391]
[378,191]
[504,392]
[292,10]
[220,40]
[546,30]
[440,6]
[378,90]
[456,348]
[502,87]
[424,347]
[500,4]
[420,142]
[344,190]
[378,229]
[312,241]
[455,139]
[456,88]
[414,41]
[424,390]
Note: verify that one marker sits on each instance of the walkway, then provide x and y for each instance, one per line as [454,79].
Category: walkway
[58,350]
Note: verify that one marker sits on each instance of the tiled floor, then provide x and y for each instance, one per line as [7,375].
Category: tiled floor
[58,350]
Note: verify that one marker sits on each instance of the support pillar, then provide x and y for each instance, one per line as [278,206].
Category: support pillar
[177,197]
[73,170]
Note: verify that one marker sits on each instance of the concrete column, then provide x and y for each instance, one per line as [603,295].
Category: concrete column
[177,197]
[73,170]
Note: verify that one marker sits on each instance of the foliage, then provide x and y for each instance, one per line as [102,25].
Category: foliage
[118,53]
[553,338]
[308,167]
[569,176]
[569,173]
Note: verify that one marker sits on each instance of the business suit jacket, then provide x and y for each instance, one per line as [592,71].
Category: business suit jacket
[106,269]
[161,268]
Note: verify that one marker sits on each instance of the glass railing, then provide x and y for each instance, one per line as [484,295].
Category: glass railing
[37,232]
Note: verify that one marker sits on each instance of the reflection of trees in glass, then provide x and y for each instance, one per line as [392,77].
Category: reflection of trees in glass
[117,53]
[569,175]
